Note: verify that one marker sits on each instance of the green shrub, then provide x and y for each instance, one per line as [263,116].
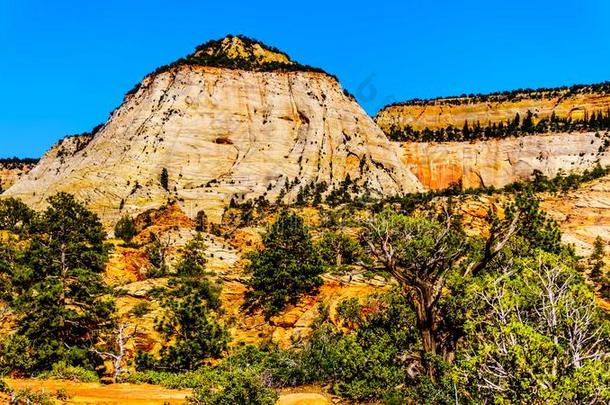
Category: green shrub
[62,395]
[363,363]
[63,371]
[4,388]
[27,396]
[239,387]
[141,309]
[190,379]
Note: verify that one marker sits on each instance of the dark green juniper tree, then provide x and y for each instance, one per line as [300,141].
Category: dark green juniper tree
[288,267]
[596,260]
[125,229]
[164,179]
[57,290]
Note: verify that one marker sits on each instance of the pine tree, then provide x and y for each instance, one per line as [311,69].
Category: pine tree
[515,124]
[58,291]
[288,267]
[596,260]
[528,123]
[535,226]
[466,131]
[194,260]
[189,322]
[191,326]
[164,179]
[125,229]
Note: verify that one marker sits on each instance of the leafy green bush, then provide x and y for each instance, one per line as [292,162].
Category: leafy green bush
[173,380]
[534,334]
[62,395]
[365,362]
[4,388]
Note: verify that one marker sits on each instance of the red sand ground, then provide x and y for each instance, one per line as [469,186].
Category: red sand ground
[94,393]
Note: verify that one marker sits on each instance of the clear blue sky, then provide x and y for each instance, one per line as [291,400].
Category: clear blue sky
[65,65]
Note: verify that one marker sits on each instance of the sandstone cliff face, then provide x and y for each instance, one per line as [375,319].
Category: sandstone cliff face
[583,214]
[499,162]
[220,133]
[441,113]
[10,174]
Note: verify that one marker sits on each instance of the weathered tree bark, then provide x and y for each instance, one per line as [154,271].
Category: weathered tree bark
[423,279]
[339,259]
[117,358]
[423,300]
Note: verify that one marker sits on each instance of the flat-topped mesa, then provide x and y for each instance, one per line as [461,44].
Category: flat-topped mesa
[500,138]
[221,130]
[573,103]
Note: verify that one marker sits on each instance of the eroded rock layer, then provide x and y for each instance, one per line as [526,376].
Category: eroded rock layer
[11,172]
[497,163]
[495,108]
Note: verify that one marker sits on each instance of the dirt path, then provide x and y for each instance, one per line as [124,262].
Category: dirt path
[132,394]
[118,394]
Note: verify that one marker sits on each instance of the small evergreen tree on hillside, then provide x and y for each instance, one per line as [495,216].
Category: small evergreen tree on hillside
[164,179]
[604,290]
[288,267]
[157,252]
[189,322]
[125,229]
[192,327]
[596,260]
[194,259]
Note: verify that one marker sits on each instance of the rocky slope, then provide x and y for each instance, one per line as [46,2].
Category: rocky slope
[221,133]
[583,214]
[127,269]
[498,162]
[11,170]
[565,102]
